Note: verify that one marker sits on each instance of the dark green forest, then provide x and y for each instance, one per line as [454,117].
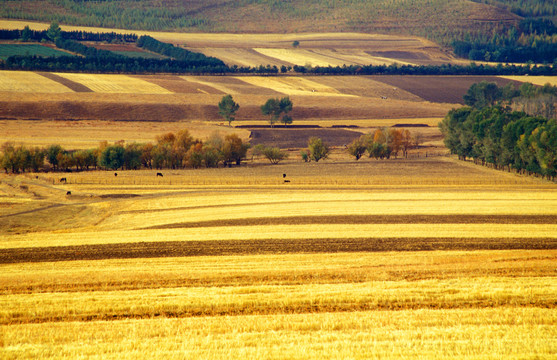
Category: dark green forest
[506,128]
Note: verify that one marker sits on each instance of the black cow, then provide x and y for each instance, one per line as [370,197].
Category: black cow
[286,181]
[283,175]
[115,174]
[63,180]
[159,174]
[68,193]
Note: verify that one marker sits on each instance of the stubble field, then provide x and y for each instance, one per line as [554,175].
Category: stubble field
[425,257]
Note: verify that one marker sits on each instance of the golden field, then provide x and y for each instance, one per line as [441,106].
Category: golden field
[418,258]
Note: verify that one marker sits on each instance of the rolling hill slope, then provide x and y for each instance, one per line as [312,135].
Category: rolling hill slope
[433,18]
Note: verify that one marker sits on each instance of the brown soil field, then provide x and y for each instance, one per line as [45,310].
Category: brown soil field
[298,138]
[443,89]
[260,247]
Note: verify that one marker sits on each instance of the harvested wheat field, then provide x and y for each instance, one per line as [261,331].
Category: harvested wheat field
[415,258]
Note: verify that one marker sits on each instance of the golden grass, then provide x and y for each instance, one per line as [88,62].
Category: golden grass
[27,81]
[214,84]
[104,83]
[536,80]
[293,85]
[300,57]
[90,235]
[477,292]
[413,334]
[87,134]
[356,57]
[255,270]
[275,284]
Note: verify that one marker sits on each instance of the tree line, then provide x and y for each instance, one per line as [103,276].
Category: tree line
[531,99]
[493,134]
[171,151]
[384,143]
[177,53]
[26,34]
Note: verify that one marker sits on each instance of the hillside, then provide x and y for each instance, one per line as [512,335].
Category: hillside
[436,19]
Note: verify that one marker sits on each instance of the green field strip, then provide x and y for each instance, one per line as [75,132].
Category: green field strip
[7,50]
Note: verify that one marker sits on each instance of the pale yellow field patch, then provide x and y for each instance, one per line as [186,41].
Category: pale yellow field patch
[265,232]
[221,87]
[27,81]
[239,56]
[291,85]
[115,83]
[275,298]
[300,57]
[536,80]
[357,57]
[494,333]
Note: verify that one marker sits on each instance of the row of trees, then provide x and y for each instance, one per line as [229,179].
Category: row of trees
[273,108]
[531,99]
[174,151]
[177,53]
[503,138]
[26,34]
[384,143]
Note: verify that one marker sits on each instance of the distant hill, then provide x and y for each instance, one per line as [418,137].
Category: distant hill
[439,20]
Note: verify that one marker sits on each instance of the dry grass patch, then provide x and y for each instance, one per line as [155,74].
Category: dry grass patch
[300,57]
[86,134]
[104,83]
[536,80]
[293,85]
[462,293]
[270,269]
[414,334]
[26,81]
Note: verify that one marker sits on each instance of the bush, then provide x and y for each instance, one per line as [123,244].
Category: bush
[274,154]
[317,149]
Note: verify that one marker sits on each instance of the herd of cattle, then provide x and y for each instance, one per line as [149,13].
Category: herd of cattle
[65,180]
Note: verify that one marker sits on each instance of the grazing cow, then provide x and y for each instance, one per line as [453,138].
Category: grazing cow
[384,97]
[68,193]
[159,174]
[286,181]
[283,175]
[115,174]
[63,180]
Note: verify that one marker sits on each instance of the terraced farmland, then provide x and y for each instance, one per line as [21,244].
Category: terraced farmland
[366,260]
